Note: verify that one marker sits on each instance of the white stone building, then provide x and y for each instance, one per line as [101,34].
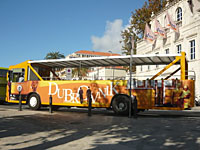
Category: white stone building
[97,73]
[186,14]
[107,73]
[86,53]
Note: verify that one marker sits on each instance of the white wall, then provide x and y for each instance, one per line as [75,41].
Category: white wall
[189,30]
[107,73]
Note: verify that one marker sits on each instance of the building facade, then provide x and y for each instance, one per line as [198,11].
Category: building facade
[97,73]
[186,14]
[107,73]
[86,53]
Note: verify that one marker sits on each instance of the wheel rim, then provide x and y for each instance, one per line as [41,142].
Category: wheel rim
[33,101]
[121,106]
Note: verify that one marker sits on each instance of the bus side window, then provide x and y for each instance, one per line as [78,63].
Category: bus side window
[31,75]
[18,75]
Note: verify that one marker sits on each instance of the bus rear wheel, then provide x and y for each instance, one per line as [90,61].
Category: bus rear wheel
[120,105]
[34,101]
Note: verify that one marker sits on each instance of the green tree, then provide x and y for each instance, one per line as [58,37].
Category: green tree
[82,72]
[54,55]
[139,18]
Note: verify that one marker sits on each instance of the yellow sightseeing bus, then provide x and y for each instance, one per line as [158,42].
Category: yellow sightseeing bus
[3,84]
[38,83]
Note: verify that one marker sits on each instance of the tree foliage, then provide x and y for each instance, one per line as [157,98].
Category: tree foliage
[139,18]
[54,55]
[80,72]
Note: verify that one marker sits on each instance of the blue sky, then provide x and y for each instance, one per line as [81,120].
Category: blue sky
[29,29]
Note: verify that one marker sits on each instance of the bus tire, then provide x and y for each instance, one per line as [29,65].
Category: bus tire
[120,105]
[34,101]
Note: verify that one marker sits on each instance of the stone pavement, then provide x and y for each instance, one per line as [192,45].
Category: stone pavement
[73,129]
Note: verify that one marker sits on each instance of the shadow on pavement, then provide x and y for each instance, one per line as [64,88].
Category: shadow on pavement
[74,129]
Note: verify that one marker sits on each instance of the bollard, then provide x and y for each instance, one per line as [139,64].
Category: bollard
[19,89]
[90,107]
[135,107]
[130,107]
[50,104]
[20,102]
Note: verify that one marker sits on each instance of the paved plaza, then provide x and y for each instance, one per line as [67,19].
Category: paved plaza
[73,129]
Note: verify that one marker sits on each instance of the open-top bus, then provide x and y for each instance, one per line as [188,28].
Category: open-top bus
[36,79]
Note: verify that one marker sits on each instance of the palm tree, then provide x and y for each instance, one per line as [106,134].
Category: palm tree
[54,55]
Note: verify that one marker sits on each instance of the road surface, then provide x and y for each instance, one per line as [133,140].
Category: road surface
[72,129]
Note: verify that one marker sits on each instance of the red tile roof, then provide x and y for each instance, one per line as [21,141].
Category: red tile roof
[96,53]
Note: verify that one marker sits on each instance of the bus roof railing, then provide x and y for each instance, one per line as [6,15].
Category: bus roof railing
[150,59]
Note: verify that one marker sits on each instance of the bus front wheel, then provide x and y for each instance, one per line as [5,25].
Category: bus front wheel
[120,105]
[34,101]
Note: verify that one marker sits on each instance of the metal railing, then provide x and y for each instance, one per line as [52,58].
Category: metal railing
[191,75]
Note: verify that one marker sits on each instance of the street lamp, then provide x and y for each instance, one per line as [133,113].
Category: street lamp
[130,71]
[130,46]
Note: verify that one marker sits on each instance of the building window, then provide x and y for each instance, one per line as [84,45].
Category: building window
[148,67]
[178,48]
[179,14]
[192,49]
[167,51]
[141,68]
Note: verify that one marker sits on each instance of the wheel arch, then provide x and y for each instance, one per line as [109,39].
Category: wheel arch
[115,96]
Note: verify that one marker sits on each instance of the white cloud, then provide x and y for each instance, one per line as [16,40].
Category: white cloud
[110,40]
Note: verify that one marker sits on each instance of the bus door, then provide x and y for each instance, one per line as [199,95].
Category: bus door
[16,77]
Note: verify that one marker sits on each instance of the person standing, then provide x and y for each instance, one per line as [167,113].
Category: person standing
[185,94]
[81,95]
[89,99]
